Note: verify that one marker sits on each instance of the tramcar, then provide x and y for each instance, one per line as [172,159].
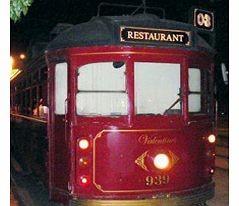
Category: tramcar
[129,113]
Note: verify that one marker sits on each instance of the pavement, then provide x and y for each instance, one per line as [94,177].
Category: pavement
[221,178]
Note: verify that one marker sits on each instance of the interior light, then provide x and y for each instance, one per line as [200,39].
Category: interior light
[161,161]
[84,144]
[22,56]
[211,138]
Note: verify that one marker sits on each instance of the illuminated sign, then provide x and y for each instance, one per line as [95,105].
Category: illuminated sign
[203,19]
[151,35]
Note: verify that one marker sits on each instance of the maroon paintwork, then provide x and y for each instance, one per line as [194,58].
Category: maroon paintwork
[116,142]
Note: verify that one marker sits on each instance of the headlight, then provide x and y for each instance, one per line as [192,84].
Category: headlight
[161,161]
[84,144]
[211,138]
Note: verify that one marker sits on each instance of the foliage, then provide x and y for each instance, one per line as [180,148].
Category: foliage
[19,7]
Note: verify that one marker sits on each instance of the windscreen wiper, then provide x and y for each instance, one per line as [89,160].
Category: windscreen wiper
[174,103]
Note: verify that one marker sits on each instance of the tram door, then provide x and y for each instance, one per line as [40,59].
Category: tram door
[59,154]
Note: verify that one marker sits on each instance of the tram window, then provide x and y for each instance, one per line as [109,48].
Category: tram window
[194,98]
[43,73]
[35,77]
[28,101]
[60,88]
[207,91]
[34,98]
[157,88]
[102,90]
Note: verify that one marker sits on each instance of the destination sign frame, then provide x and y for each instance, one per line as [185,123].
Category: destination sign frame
[203,19]
[154,35]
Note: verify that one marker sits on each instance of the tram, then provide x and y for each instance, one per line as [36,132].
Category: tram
[129,112]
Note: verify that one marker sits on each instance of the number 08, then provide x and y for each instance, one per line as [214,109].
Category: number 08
[204,20]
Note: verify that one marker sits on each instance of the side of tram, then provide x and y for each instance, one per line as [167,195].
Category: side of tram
[131,113]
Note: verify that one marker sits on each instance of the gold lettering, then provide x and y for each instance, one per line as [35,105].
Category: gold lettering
[146,140]
[130,35]
[156,180]
[156,36]
[175,37]
[181,37]
[163,37]
[141,35]
[151,36]
[142,139]
[169,38]
[136,35]
[146,35]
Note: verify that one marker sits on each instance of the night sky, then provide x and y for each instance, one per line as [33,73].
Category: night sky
[43,15]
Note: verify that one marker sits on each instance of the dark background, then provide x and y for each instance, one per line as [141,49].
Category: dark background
[43,15]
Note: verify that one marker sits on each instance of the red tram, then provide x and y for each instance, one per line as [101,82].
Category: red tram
[131,112]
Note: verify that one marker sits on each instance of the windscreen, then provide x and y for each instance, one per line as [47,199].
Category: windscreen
[157,88]
[102,89]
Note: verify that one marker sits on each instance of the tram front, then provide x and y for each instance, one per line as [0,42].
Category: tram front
[141,115]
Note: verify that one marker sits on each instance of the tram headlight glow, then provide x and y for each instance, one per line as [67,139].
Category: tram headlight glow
[83,144]
[211,138]
[161,161]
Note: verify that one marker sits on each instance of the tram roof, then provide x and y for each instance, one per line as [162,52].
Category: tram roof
[104,31]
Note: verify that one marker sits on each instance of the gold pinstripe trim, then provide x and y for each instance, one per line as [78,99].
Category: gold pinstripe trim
[127,52]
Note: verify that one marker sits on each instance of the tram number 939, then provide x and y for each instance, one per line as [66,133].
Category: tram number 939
[156,180]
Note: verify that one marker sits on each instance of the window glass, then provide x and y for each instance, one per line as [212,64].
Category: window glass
[101,77]
[157,88]
[43,73]
[60,88]
[208,91]
[102,90]
[194,82]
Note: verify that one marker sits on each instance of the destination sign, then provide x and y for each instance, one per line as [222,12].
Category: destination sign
[203,19]
[151,35]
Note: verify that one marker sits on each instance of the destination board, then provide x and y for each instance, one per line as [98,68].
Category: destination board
[152,35]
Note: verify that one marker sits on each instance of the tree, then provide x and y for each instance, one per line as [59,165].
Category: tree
[19,7]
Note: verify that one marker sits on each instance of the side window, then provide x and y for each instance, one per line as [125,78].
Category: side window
[60,88]
[194,82]
[208,79]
